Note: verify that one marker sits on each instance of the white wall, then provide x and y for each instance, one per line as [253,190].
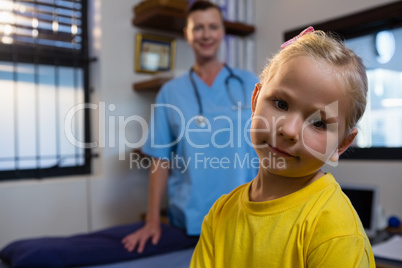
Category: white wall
[116,194]
[50,207]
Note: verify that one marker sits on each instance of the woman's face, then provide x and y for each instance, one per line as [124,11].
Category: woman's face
[204,33]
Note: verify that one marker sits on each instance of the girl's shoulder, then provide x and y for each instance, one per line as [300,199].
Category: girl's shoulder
[229,200]
[335,216]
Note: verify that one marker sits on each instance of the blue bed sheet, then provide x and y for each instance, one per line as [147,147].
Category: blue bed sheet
[97,248]
[176,259]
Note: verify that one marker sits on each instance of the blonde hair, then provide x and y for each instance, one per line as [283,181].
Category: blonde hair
[327,48]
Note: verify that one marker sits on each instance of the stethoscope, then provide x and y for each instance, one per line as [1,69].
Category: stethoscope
[200,119]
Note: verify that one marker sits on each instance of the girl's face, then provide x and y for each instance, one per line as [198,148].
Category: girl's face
[299,118]
[204,33]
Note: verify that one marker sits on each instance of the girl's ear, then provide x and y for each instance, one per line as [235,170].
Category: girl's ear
[254,98]
[344,145]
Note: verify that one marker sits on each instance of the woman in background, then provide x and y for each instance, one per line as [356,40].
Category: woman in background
[197,141]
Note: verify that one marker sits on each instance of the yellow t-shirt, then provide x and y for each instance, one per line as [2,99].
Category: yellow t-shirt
[316,226]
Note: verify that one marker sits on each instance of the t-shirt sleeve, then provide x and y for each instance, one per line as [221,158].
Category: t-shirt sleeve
[345,251]
[203,255]
[160,141]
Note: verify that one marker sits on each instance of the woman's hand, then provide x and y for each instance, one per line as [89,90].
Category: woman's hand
[140,237]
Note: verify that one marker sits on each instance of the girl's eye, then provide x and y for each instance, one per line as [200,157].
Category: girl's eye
[319,124]
[280,104]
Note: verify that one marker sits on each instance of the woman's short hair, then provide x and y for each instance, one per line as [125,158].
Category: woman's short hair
[201,5]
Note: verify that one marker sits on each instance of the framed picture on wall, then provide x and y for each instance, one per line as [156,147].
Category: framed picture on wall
[154,53]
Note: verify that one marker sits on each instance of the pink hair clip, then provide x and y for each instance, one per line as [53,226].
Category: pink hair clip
[310,29]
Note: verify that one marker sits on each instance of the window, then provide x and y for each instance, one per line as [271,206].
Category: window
[376,36]
[43,76]
[381,125]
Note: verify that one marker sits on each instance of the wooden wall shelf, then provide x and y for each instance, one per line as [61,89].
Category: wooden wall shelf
[174,21]
[153,84]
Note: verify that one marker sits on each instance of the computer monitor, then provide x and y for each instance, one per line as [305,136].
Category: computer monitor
[364,199]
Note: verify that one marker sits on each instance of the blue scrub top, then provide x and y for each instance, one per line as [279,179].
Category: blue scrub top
[206,162]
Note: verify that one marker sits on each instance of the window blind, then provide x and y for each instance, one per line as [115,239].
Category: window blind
[44,73]
[47,23]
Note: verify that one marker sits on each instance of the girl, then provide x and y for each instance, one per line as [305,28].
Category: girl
[311,95]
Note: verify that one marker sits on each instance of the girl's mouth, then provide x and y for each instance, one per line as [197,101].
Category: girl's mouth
[280,152]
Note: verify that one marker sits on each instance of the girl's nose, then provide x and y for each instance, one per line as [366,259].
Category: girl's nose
[290,127]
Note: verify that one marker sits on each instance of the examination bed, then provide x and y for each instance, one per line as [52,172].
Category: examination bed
[176,259]
[101,249]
